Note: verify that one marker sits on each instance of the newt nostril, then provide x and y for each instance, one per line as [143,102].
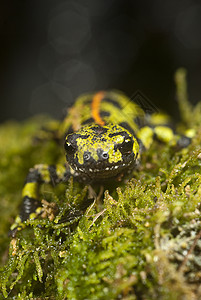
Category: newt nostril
[103,155]
[87,156]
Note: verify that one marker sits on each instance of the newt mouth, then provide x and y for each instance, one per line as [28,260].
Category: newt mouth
[103,171]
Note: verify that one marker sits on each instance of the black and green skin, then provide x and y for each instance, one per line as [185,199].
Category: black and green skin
[105,133]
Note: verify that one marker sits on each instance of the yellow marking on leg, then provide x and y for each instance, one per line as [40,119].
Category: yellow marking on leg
[39,210]
[17,224]
[164,134]
[190,133]
[30,189]
[32,216]
[145,134]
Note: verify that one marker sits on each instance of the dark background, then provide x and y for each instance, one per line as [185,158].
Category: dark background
[52,51]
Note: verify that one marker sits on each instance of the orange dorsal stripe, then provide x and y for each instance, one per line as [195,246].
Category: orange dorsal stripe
[95,107]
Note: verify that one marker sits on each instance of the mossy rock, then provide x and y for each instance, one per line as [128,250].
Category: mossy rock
[138,241]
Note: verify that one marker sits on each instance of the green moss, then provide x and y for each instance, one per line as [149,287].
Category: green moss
[140,241]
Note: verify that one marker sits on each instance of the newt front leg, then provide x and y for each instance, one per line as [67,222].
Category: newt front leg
[31,205]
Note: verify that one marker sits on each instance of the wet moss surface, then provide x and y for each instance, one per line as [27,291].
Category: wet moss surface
[141,240]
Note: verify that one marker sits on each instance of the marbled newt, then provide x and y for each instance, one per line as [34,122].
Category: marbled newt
[104,135]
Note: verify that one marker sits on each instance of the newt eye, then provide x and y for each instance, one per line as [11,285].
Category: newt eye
[70,149]
[126,147]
